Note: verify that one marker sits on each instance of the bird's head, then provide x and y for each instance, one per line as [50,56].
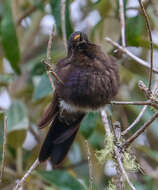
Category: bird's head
[78,41]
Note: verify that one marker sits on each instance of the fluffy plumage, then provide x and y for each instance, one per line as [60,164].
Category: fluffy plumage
[90,80]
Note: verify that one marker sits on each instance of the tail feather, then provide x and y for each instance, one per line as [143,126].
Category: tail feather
[60,150]
[59,139]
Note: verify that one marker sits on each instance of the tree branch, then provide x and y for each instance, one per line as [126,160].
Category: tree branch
[63,7]
[105,122]
[140,103]
[47,62]
[135,121]
[20,183]
[4,148]
[90,166]
[122,20]
[137,59]
[118,158]
[139,131]
[27,13]
[151,43]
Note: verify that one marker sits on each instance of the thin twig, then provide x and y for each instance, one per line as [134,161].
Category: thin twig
[119,179]
[51,80]
[139,131]
[63,26]
[90,166]
[47,62]
[144,88]
[51,70]
[137,59]
[151,43]
[122,20]
[105,122]
[117,154]
[118,158]
[117,134]
[145,3]
[151,102]
[4,148]
[20,183]
[117,131]
[48,58]
[48,55]
[27,13]
[148,102]
[149,94]
[37,138]
[135,121]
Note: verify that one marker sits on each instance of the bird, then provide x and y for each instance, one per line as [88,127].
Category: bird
[89,79]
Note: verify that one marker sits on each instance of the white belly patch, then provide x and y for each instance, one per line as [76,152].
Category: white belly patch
[72,108]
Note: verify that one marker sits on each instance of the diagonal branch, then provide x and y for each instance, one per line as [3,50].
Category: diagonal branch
[28,12]
[151,43]
[139,131]
[117,134]
[47,62]
[118,158]
[137,59]
[20,183]
[135,121]
[116,150]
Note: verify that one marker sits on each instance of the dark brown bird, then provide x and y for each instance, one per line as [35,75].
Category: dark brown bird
[90,80]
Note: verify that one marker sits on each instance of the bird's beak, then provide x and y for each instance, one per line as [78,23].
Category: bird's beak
[77,37]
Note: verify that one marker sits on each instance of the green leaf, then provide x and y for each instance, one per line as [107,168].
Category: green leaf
[39,5]
[69,28]
[103,7]
[9,38]
[134,29]
[16,138]
[89,123]
[17,117]
[56,11]
[61,179]
[96,139]
[43,88]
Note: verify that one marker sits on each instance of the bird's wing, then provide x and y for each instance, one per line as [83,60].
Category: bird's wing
[50,112]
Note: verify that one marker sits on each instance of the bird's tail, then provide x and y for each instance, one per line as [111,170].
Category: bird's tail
[60,138]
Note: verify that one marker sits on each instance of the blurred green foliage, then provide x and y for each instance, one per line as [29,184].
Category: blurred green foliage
[9,38]
[61,179]
[23,44]
[56,11]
